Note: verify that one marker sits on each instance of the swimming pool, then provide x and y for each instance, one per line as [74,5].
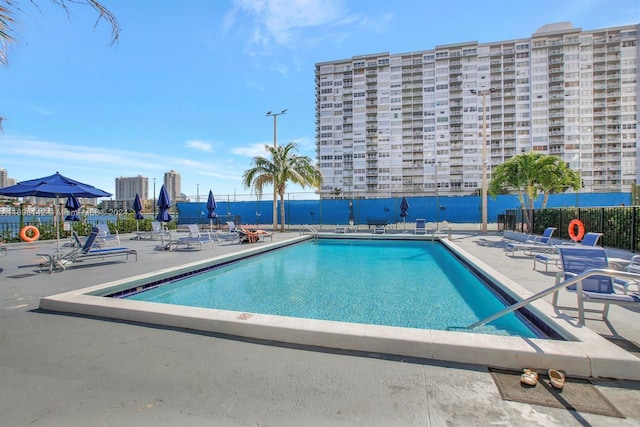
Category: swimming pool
[578,351]
[415,284]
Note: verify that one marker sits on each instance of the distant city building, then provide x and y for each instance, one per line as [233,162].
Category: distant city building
[172,185]
[412,123]
[128,187]
[3,178]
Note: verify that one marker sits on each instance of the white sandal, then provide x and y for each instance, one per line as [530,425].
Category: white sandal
[529,377]
[557,378]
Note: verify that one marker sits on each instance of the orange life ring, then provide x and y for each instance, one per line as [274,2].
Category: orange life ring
[34,236]
[572,230]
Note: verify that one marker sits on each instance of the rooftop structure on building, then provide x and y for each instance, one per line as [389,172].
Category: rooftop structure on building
[412,123]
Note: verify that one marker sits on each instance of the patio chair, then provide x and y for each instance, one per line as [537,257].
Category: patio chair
[379,229]
[532,244]
[234,234]
[589,239]
[421,226]
[88,249]
[195,237]
[595,289]
[105,237]
[634,264]
[158,230]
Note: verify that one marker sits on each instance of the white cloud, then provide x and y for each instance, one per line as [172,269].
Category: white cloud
[282,21]
[252,150]
[199,145]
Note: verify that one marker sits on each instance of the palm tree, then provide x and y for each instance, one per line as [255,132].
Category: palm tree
[530,174]
[283,167]
[9,8]
[558,178]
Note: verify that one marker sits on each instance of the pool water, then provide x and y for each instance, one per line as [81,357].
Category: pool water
[414,284]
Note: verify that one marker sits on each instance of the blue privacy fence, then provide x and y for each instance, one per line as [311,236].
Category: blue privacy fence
[467,209]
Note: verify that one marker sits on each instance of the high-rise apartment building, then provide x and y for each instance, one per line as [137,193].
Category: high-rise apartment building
[413,123]
[3,178]
[128,187]
[172,185]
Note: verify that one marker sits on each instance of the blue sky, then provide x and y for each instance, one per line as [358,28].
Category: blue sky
[189,83]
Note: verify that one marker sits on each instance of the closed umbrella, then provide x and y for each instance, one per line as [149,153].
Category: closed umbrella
[404,207]
[211,208]
[72,205]
[351,218]
[137,207]
[53,186]
[164,203]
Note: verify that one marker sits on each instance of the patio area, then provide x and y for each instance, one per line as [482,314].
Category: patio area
[74,370]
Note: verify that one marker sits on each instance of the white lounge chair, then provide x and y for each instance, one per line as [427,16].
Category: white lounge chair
[421,226]
[105,237]
[195,238]
[532,244]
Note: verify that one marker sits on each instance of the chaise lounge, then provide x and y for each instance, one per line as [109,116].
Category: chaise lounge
[589,239]
[195,237]
[532,244]
[88,251]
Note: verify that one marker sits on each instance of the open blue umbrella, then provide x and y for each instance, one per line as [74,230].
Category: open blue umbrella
[72,205]
[404,207]
[211,208]
[53,186]
[137,207]
[164,203]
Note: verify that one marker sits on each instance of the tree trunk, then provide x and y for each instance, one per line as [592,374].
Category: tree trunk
[282,212]
[275,213]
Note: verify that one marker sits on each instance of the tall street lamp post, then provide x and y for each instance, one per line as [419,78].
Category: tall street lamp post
[275,145]
[484,94]
[437,199]
[154,198]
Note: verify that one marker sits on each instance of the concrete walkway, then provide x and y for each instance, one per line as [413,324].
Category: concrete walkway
[63,370]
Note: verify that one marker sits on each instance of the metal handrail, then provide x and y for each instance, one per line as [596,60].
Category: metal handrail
[308,228]
[558,286]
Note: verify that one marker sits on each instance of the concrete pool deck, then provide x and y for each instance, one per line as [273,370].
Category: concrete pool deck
[74,370]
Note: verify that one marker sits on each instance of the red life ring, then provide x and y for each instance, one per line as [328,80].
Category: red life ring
[35,233]
[572,230]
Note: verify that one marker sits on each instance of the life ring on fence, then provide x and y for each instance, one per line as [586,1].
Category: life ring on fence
[35,233]
[572,230]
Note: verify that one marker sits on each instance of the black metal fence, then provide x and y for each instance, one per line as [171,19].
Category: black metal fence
[619,224]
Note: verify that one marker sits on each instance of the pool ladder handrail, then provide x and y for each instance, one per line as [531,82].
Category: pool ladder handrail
[309,228]
[554,288]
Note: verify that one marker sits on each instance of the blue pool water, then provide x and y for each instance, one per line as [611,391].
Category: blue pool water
[415,284]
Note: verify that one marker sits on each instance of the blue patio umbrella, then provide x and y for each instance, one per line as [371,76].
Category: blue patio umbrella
[72,205]
[211,208]
[164,203]
[137,207]
[404,207]
[53,186]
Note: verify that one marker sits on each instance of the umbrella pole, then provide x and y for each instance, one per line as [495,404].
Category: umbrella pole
[57,221]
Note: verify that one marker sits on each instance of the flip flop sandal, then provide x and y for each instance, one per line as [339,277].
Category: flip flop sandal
[529,377]
[557,379]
